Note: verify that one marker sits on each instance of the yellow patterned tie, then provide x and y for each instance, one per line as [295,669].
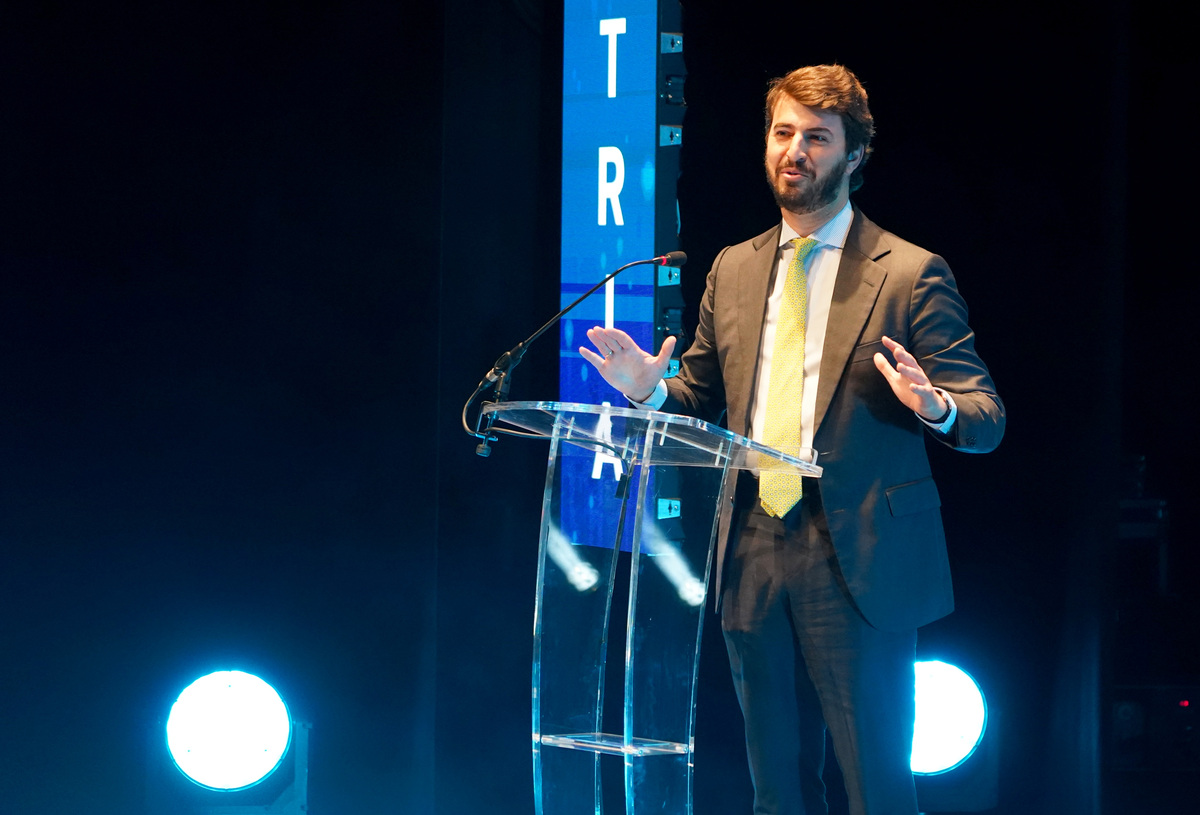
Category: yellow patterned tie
[780,491]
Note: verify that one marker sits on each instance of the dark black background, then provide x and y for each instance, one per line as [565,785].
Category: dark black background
[254,256]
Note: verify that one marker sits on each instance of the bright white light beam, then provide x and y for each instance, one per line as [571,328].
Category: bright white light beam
[228,730]
[951,718]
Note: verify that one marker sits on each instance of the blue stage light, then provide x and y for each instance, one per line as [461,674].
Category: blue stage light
[951,718]
[228,730]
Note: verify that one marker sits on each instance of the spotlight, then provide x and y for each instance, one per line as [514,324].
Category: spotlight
[955,768]
[228,730]
[230,738]
[951,717]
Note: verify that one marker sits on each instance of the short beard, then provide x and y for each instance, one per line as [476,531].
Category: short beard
[814,197]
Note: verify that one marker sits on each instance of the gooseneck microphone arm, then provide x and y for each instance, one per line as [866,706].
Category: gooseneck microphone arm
[502,370]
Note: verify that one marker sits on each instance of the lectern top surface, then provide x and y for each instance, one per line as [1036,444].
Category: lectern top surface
[641,436]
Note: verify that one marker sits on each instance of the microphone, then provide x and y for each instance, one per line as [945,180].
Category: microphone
[503,367]
[675,259]
[511,358]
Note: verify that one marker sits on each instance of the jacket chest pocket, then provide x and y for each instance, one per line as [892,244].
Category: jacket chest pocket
[867,351]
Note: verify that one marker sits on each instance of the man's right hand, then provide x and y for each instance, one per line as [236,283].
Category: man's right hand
[624,365]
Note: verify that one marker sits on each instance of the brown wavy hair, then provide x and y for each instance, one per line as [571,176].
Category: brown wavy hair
[835,88]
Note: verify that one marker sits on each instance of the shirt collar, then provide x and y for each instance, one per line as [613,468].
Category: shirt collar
[832,233]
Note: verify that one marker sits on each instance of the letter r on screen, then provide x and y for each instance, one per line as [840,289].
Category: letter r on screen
[610,191]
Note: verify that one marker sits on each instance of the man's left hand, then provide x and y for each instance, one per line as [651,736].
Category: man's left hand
[909,382]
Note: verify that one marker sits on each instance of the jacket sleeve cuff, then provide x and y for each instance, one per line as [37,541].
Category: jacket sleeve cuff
[947,421]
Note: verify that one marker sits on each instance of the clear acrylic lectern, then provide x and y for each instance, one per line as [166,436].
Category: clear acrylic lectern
[651,482]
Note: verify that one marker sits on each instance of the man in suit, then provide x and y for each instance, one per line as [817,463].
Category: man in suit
[826,332]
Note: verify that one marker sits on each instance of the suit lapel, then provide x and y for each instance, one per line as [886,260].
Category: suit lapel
[859,281]
[753,291]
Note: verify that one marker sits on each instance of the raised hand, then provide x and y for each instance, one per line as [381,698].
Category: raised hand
[624,365]
[909,382]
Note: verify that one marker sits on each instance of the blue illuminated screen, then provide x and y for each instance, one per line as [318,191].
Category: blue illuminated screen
[608,188]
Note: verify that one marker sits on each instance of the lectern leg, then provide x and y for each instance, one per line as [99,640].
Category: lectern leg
[573,608]
[658,784]
[566,782]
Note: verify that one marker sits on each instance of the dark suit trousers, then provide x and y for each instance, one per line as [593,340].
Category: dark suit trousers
[803,659]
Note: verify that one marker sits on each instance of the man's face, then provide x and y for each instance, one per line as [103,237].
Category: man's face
[807,165]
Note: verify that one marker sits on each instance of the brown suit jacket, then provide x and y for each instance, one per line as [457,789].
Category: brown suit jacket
[881,504]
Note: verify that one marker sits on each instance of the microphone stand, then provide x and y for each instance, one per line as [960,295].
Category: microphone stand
[501,372]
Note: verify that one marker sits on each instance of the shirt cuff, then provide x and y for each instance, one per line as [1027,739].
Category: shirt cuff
[656,400]
[944,425]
